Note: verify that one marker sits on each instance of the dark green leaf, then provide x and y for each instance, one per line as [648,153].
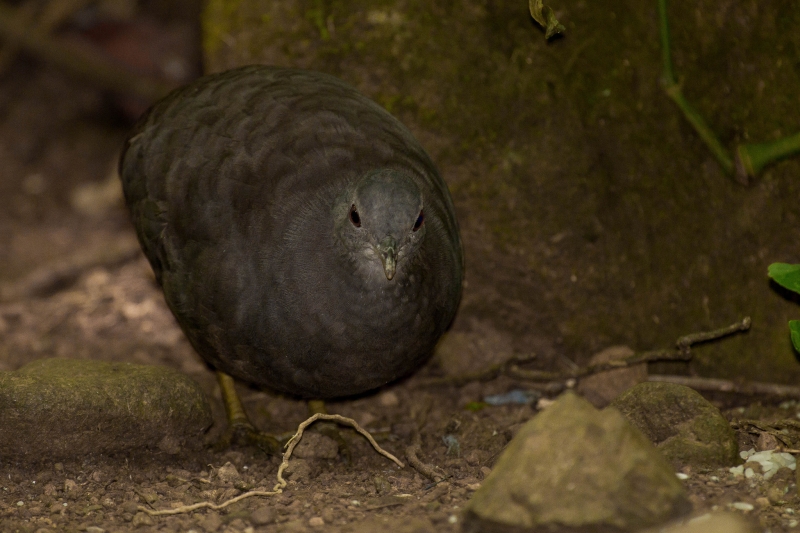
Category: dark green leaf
[794,328]
[785,275]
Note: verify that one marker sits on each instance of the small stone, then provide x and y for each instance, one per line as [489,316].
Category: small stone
[227,473]
[601,388]
[95,529]
[382,485]
[743,506]
[766,441]
[316,446]
[316,521]
[298,469]
[130,506]
[263,515]
[389,399]
[141,519]
[211,522]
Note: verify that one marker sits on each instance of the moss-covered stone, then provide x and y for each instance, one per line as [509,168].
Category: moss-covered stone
[59,408]
[574,468]
[684,426]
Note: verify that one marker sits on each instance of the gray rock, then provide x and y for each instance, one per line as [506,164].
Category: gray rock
[574,468]
[65,408]
[684,426]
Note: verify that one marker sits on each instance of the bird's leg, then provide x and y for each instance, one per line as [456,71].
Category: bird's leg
[240,430]
[329,429]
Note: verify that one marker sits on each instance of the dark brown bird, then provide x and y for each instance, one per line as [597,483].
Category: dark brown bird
[303,238]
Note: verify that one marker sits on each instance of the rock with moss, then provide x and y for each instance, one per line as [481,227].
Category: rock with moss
[574,468]
[682,424]
[61,408]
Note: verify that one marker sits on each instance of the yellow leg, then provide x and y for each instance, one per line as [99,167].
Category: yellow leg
[240,430]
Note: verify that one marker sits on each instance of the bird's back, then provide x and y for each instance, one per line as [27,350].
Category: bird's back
[231,183]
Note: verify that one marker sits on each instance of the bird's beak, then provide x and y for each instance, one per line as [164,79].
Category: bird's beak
[387,249]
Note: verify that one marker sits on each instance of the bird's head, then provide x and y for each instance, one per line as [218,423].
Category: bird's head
[380,220]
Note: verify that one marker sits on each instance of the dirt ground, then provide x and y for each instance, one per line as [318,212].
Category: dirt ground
[75,286]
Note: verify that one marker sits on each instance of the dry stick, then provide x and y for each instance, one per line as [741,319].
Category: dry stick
[694,338]
[724,385]
[554,379]
[278,489]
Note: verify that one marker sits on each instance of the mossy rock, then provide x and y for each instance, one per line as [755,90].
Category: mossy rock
[60,408]
[682,424]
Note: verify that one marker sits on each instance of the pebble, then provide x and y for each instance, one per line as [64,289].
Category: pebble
[316,521]
[263,515]
[227,473]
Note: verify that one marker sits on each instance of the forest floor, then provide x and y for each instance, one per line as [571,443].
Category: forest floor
[62,219]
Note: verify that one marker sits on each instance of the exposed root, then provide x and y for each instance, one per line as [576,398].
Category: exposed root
[281,484]
[427,470]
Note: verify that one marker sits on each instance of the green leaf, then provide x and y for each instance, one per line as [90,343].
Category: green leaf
[794,328]
[545,17]
[785,275]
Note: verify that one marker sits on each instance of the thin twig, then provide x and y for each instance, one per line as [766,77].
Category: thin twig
[635,359]
[724,385]
[429,471]
[555,380]
[694,338]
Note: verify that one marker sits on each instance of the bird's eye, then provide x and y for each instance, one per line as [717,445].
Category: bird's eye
[354,218]
[420,220]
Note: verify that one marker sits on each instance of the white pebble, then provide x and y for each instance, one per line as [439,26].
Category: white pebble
[742,506]
[681,475]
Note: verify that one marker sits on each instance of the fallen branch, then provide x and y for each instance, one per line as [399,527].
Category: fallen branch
[281,484]
[554,382]
[686,341]
[724,385]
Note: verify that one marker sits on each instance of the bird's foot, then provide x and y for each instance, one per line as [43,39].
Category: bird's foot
[245,434]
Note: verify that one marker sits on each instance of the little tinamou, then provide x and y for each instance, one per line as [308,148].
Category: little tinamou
[303,238]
